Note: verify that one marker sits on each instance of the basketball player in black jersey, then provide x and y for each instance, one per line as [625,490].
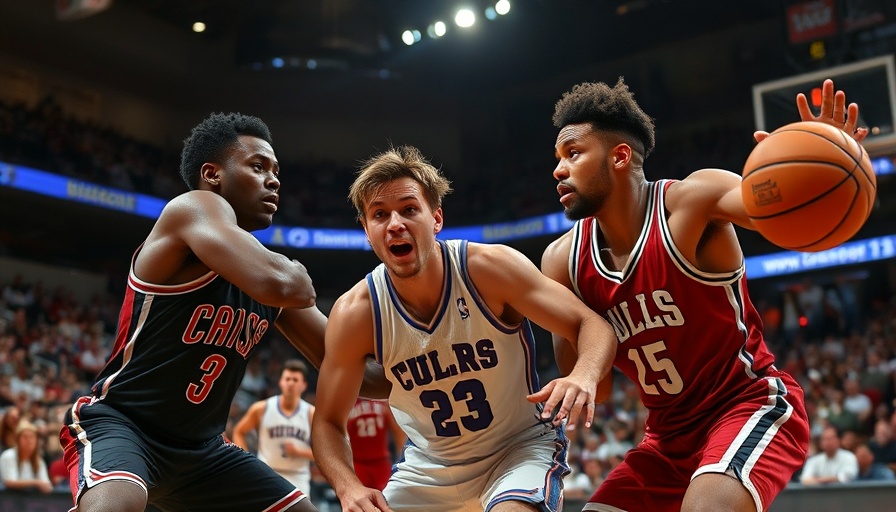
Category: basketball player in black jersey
[202,293]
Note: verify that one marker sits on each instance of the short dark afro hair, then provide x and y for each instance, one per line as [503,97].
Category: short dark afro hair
[210,140]
[606,108]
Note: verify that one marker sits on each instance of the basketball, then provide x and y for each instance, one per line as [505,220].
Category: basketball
[808,187]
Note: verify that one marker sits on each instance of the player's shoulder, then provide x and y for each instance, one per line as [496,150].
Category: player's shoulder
[353,301]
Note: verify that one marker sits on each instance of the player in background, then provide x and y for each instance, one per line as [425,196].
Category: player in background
[448,321]
[283,423]
[726,429]
[370,425]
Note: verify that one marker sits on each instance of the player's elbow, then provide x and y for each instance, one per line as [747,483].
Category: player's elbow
[289,292]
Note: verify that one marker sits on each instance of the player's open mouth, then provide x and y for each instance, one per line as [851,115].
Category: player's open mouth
[400,249]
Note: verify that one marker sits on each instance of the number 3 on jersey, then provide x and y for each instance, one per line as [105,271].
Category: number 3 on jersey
[671,384]
[470,391]
[212,366]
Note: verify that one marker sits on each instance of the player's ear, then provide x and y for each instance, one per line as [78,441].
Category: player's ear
[622,154]
[438,216]
[209,173]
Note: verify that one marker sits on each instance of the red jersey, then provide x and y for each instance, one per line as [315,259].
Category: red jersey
[692,340]
[368,430]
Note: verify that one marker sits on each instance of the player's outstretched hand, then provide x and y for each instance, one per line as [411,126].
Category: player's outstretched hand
[364,499]
[566,398]
[834,112]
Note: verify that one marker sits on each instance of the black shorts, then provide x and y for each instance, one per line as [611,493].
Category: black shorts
[101,444]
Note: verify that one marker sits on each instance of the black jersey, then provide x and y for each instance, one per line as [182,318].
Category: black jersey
[180,355]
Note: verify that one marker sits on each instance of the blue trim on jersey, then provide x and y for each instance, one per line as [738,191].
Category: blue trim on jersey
[377,320]
[446,292]
[527,340]
[480,303]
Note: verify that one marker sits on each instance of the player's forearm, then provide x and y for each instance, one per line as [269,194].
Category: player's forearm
[335,456]
[596,347]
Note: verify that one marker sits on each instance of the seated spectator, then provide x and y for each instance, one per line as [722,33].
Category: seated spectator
[832,464]
[22,468]
[868,468]
[883,444]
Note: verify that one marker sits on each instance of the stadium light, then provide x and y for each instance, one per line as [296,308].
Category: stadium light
[502,7]
[465,18]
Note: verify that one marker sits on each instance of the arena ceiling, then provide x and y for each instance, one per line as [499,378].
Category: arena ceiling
[148,47]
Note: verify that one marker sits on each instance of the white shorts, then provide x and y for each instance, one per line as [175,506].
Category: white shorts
[530,470]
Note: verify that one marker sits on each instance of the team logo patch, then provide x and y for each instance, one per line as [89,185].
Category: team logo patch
[462,307]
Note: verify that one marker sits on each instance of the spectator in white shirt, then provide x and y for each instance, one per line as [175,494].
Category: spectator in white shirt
[22,468]
[832,464]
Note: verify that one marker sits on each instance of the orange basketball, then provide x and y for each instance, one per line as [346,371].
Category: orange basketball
[808,186]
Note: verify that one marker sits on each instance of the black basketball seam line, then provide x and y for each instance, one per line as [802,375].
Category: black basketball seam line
[834,230]
[835,143]
[814,199]
[787,162]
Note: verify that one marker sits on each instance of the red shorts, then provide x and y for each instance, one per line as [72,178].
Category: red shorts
[374,473]
[762,437]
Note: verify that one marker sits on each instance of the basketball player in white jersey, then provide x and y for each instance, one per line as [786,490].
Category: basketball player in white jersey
[448,321]
[283,423]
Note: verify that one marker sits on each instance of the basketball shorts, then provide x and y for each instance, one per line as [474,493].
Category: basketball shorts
[762,438]
[101,445]
[374,473]
[530,471]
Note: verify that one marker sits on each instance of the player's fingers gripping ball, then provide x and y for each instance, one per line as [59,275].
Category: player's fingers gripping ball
[808,187]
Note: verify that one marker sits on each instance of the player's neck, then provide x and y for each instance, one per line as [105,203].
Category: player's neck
[289,404]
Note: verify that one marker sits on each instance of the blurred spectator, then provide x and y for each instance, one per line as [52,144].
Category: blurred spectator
[883,443]
[584,478]
[869,469]
[832,464]
[22,468]
[857,402]
[8,425]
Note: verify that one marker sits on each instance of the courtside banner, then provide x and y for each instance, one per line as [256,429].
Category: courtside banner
[849,253]
[767,265]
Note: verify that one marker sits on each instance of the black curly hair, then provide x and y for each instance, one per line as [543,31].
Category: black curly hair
[210,140]
[606,108]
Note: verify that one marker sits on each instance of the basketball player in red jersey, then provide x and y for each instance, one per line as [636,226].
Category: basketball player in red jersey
[369,425]
[202,293]
[661,261]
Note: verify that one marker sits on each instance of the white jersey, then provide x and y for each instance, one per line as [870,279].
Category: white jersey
[276,430]
[459,383]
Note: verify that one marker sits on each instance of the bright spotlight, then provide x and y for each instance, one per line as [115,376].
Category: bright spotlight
[408,37]
[436,30]
[465,18]
[198,27]
[502,7]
